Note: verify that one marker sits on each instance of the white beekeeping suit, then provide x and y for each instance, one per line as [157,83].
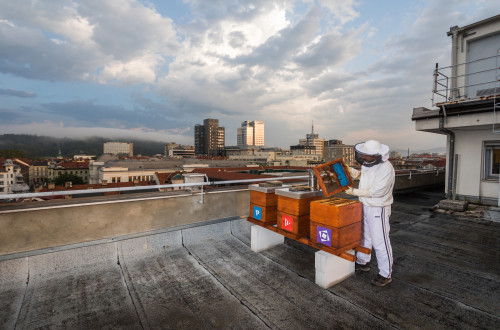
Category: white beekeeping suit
[376,182]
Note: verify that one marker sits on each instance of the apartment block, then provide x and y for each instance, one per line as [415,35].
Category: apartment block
[209,138]
[119,148]
[251,133]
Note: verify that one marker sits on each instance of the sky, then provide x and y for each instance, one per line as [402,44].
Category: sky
[354,69]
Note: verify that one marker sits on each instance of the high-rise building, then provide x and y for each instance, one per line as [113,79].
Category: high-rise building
[313,140]
[209,138]
[251,133]
[119,148]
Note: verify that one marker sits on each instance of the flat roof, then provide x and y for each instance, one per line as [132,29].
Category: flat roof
[446,275]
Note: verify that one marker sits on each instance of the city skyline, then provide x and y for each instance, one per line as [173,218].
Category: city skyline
[153,69]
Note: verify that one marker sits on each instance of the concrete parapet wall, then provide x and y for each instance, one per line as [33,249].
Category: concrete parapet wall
[417,180]
[48,227]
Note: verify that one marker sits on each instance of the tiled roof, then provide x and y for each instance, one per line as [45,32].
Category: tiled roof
[166,178]
[235,173]
[74,165]
[223,175]
[99,186]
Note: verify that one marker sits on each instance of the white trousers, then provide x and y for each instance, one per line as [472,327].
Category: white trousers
[376,235]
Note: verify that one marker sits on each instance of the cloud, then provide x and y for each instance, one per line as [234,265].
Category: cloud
[342,10]
[58,129]
[283,45]
[21,94]
[284,62]
[104,41]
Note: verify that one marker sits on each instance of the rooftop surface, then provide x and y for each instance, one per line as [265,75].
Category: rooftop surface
[446,275]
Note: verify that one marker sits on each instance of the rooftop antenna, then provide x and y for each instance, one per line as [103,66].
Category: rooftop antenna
[312,126]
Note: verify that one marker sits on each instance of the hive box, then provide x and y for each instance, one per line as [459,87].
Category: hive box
[343,238]
[336,212]
[336,223]
[263,204]
[295,224]
[293,210]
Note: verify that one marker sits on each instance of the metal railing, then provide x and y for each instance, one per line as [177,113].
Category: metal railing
[149,187]
[449,85]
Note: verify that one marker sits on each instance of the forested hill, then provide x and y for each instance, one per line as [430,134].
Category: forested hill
[34,146]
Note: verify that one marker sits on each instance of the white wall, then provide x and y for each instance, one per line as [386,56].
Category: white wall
[469,147]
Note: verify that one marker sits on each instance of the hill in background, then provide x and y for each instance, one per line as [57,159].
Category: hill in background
[35,146]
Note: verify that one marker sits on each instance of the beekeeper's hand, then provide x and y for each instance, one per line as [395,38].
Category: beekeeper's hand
[357,192]
[354,173]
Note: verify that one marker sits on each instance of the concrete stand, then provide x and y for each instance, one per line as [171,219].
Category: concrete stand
[331,269]
[263,239]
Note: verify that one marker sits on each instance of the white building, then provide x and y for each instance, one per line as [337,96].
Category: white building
[251,133]
[466,97]
[11,179]
[174,150]
[123,174]
[119,148]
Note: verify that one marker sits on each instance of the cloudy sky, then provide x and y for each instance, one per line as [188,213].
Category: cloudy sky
[154,69]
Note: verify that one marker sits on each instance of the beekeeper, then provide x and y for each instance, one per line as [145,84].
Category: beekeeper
[376,181]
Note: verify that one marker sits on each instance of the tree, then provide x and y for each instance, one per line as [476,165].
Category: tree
[65,177]
[12,153]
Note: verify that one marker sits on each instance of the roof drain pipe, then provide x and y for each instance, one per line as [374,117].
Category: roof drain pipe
[312,181]
[202,201]
[451,153]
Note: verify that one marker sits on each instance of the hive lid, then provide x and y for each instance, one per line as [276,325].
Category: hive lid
[267,190]
[333,177]
[297,194]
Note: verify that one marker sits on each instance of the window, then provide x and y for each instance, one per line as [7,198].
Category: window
[491,160]
[1,176]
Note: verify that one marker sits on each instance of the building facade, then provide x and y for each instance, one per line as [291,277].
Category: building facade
[209,138]
[251,133]
[38,171]
[311,145]
[80,169]
[466,100]
[119,148]
[174,150]
[336,151]
[11,179]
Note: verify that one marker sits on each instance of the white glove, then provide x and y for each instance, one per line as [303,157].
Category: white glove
[355,174]
[357,192]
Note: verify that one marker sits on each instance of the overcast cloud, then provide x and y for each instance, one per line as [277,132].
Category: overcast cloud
[154,69]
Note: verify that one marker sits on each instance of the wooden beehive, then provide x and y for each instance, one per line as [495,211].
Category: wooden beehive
[295,224]
[263,199]
[293,210]
[336,212]
[266,214]
[346,237]
[263,204]
[336,222]
[295,206]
